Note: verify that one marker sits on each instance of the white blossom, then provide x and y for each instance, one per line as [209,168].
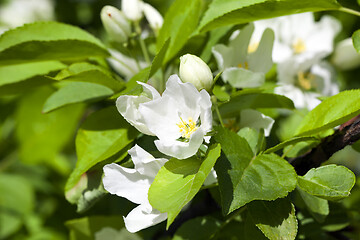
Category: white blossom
[115,23]
[134,184]
[244,65]
[194,70]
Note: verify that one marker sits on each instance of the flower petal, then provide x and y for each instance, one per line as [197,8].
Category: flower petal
[145,163]
[126,182]
[143,216]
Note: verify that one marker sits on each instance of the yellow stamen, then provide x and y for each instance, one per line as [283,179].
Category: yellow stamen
[246,65]
[305,80]
[253,47]
[187,128]
[299,46]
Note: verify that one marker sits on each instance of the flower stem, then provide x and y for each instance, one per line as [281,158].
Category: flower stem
[214,101]
[350,11]
[142,43]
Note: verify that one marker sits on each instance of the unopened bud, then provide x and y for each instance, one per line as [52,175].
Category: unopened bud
[115,24]
[345,56]
[132,9]
[194,70]
[153,17]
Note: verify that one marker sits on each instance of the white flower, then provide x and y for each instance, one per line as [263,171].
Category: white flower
[305,87]
[115,23]
[345,56]
[125,66]
[245,65]
[128,106]
[180,118]
[194,70]
[18,12]
[134,184]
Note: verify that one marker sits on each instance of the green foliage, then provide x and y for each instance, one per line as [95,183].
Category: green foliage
[318,207]
[225,12]
[86,72]
[85,228]
[76,92]
[204,227]
[289,142]
[48,41]
[276,219]
[96,141]
[16,202]
[329,182]
[249,99]
[36,130]
[244,178]
[331,112]
[159,58]
[178,181]
[356,40]
[179,23]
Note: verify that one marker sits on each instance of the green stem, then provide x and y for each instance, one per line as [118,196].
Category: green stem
[209,186]
[350,11]
[142,43]
[214,100]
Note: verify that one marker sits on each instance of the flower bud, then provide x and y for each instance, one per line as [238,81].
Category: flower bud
[194,70]
[115,24]
[153,17]
[345,56]
[132,9]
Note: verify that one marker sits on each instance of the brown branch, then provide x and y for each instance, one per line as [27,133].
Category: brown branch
[347,134]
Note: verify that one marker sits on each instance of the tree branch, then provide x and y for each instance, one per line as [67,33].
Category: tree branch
[347,134]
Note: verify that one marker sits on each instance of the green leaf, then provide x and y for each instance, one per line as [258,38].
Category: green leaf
[329,182]
[229,12]
[254,138]
[103,134]
[159,58]
[85,228]
[180,22]
[290,142]
[178,181]
[318,207]
[276,219]
[356,40]
[204,227]
[86,72]
[244,178]
[43,41]
[17,73]
[331,112]
[76,92]
[214,38]
[43,136]
[16,201]
[254,100]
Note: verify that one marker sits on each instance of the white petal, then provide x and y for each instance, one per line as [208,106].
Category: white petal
[255,119]
[211,178]
[145,163]
[122,64]
[126,182]
[345,56]
[181,150]
[261,59]
[143,216]
[149,90]
[128,107]
[206,113]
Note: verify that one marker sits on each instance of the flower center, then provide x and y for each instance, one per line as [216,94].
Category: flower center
[299,46]
[187,128]
[244,65]
[305,80]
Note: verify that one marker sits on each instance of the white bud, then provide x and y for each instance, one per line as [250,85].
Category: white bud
[153,17]
[345,56]
[115,24]
[194,70]
[132,9]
